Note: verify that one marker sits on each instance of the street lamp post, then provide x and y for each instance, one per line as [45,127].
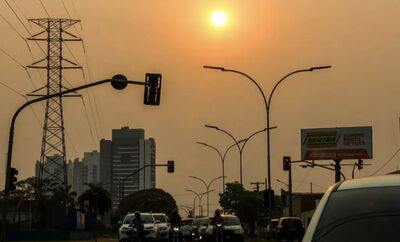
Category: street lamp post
[241,148]
[207,190]
[267,108]
[222,160]
[200,196]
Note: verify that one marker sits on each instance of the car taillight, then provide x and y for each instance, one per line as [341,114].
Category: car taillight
[281,226]
[302,226]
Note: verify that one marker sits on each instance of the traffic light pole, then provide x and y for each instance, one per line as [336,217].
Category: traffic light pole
[11,136]
[122,183]
[290,193]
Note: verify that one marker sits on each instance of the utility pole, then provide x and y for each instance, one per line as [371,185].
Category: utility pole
[290,193]
[257,185]
[53,157]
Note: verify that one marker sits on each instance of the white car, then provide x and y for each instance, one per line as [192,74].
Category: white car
[366,209]
[162,225]
[150,228]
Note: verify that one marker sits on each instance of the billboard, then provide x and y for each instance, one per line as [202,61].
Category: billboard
[336,143]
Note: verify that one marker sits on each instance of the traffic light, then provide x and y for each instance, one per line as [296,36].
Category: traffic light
[286,163]
[12,179]
[267,195]
[360,164]
[171,166]
[152,89]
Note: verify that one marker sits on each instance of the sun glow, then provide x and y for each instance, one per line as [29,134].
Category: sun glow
[219,18]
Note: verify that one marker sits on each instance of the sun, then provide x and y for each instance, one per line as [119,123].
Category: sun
[219,18]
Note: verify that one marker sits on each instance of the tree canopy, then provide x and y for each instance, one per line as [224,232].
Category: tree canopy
[247,205]
[151,200]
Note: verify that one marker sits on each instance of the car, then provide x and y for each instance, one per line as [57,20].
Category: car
[194,230]
[203,224]
[162,225]
[290,228]
[232,230]
[186,226]
[364,209]
[150,228]
[272,229]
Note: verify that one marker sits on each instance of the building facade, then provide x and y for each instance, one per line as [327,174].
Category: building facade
[85,171]
[120,161]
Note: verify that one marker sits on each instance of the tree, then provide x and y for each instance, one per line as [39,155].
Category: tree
[151,200]
[98,197]
[27,189]
[247,205]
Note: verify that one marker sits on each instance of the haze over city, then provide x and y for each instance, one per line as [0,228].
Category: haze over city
[265,39]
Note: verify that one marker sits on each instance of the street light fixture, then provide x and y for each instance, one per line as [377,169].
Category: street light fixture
[207,190]
[284,183]
[244,141]
[267,107]
[200,196]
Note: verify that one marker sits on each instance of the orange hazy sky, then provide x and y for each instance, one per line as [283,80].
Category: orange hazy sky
[264,38]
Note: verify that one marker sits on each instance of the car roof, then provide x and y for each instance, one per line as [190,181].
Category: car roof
[282,218]
[368,182]
[228,216]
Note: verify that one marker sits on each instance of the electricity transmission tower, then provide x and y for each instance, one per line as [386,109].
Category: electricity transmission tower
[52,164]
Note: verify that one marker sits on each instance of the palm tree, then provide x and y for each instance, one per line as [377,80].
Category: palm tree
[98,197]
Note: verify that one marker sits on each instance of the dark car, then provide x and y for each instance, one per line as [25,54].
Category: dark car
[290,228]
[194,230]
[203,225]
[272,229]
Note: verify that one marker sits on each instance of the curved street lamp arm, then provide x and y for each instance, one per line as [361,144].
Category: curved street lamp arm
[252,80]
[228,149]
[209,184]
[194,177]
[226,132]
[294,72]
[212,147]
[248,138]
[281,80]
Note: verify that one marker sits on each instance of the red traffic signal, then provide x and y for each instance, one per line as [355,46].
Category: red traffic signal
[286,163]
[152,89]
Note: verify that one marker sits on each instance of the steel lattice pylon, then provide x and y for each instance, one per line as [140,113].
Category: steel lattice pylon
[53,157]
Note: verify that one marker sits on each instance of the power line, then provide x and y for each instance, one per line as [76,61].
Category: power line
[303,180]
[65,7]
[87,118]
[387,162]
[12,27]
[18,63]
[20,10]
[93,95]
[16,15]
[13,90]
[47,13]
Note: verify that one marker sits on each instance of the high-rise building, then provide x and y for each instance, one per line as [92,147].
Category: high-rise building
[53,165]
[85,171]
[127,152]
